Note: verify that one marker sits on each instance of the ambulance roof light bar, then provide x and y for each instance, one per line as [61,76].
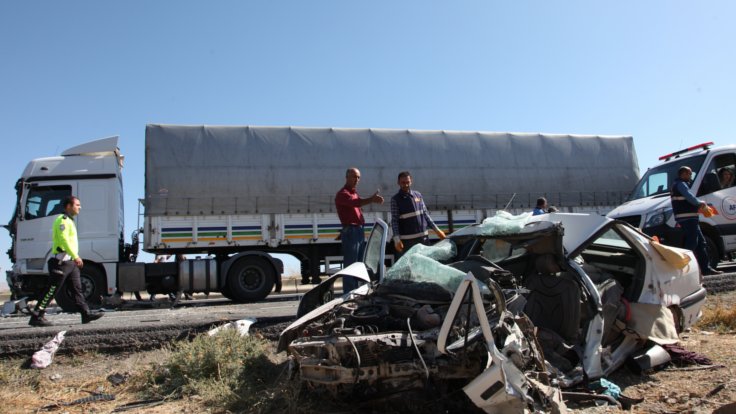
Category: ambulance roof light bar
[704,146]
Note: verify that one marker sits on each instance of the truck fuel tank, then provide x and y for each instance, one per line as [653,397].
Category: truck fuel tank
[198,275]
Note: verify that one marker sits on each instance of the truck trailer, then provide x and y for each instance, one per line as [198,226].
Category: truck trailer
[237,194]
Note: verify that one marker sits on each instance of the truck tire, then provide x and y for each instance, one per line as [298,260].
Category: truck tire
[226,292]
[93,282]
[250,279]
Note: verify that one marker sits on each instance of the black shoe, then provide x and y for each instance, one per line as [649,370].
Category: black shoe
[89,317]
[39,321]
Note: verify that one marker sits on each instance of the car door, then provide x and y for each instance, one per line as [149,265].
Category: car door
[370,269]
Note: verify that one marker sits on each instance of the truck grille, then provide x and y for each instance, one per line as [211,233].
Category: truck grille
[633,220]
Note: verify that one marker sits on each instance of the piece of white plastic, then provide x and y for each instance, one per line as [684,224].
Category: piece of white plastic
[242,325]
[42,358]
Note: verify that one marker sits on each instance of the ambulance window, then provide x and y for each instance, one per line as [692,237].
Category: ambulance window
[719,175]
[657,180]
[44,201]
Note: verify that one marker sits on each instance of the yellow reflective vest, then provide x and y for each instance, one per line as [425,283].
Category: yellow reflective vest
[65,237]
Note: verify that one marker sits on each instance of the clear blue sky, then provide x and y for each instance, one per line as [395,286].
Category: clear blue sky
[73,71]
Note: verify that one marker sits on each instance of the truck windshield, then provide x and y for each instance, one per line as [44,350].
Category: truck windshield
[657,180]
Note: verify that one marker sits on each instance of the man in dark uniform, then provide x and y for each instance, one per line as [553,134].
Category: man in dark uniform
[64,263]
[409,217]
[685,207]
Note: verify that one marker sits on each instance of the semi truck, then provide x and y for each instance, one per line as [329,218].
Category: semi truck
[235,195]
[648,207]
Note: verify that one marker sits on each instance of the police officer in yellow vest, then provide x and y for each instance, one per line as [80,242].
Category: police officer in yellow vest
[64,263]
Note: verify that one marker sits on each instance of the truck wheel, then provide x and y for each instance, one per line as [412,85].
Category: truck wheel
[92,289]
[226,292]
[250,279]
[712,249]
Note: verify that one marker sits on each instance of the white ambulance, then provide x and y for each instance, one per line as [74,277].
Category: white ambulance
[649,208]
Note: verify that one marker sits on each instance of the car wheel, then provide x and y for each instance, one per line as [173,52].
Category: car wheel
[250,279]
[93,286]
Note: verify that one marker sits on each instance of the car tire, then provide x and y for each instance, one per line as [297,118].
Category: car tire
[250,279]
[93,286]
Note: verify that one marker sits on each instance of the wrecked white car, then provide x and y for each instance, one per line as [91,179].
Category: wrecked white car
[511,311]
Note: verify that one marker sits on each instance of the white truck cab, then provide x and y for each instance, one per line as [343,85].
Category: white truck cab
[92,172]
[649,207]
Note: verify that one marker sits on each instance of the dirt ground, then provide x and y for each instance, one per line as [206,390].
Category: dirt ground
[71,377]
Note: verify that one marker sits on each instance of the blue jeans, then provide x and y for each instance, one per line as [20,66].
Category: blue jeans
[693,239]
[353,240]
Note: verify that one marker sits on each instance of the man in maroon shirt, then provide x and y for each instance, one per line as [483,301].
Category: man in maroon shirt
[348,205]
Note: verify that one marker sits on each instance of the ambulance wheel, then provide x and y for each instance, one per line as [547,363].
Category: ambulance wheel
[93,286]
[251,279]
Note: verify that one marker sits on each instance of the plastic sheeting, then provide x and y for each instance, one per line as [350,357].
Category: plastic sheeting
[193,170]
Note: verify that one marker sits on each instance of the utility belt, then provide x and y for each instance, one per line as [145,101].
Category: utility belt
[62,257]
[56,261]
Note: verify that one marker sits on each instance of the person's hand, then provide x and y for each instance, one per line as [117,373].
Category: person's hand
[440,234]
[377,198]
[79,262]
[703,205]
[399,246]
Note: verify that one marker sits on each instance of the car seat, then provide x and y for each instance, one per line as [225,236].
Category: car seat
[553,301]
[710,184]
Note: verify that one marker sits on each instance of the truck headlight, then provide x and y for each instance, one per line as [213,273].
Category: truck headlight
[658,217]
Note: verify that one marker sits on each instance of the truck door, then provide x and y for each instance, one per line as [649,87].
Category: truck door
[42,202]
[717,189]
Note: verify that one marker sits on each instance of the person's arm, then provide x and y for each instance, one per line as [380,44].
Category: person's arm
[685,191]
[440,233]
[343,199]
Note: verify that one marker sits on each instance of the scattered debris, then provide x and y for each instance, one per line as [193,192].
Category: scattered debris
[138,404]
[715,390]
[681,356]
[242,326]
[13,306]
[92,398]
[42,358]
[117,378]
[55,377]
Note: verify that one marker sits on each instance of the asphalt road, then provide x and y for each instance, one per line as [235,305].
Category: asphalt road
[140,325]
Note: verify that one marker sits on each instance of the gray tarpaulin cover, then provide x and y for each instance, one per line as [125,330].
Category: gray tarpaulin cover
[246,169]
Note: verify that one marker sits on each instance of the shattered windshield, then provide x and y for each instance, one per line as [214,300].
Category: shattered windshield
[657,180]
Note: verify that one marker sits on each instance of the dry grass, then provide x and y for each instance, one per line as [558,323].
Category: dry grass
[718,315]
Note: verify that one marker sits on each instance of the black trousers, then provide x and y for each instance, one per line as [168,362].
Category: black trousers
[60,272]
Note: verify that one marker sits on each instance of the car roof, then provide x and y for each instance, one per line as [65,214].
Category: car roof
[578,228]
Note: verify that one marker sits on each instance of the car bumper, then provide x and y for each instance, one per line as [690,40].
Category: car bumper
[691,306]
